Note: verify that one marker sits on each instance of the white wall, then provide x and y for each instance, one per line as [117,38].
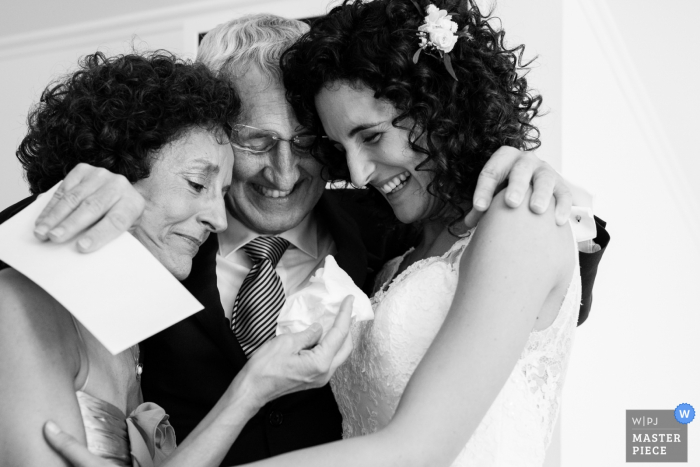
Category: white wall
[629,113]
[537,24]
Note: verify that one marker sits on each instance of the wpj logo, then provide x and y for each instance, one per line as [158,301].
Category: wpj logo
[658,435]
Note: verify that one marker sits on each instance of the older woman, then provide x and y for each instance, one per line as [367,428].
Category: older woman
[163,124]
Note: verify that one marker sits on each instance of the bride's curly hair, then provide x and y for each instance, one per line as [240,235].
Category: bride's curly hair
[459,123]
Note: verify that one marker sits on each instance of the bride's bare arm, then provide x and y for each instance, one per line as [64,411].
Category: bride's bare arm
[517,264]
[39,360]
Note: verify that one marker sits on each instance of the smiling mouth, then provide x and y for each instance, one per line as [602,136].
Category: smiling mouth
[273,193]
[194,241]
[395,184]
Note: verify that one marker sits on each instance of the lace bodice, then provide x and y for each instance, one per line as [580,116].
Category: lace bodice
[409,311]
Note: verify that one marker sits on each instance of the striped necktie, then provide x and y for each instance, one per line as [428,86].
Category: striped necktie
[261,295]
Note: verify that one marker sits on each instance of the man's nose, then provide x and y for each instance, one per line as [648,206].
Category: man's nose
[213,214]
[283,170]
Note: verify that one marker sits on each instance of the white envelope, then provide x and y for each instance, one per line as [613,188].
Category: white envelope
[319,301]
[120,293]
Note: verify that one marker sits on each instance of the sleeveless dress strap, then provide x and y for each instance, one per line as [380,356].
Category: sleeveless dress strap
[457,249]
[84,371]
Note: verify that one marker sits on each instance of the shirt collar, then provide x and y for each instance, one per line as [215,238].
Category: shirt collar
[304,236]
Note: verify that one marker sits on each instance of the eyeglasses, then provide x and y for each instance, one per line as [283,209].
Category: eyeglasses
[259,141]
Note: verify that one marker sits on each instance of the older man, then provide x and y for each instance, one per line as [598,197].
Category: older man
[282,222]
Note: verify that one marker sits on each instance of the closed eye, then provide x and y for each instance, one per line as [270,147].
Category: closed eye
[372,138]
[196,186]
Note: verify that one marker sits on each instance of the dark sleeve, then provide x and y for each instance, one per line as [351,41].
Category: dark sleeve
[589,268]
[11,211]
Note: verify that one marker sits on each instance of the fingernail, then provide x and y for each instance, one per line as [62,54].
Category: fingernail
[41,230]
[480,203]
[57,232]
[84,243]
[515,198]
[538,207]
[52,428]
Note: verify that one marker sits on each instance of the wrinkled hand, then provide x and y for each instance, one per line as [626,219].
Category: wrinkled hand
[94,198]
[286,364]
[70,449]
[520,169]
[293,362]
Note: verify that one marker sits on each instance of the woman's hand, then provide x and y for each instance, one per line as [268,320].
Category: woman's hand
[293,362]
[286,364]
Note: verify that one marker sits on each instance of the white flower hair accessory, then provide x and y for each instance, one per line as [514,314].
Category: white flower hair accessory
[438,33]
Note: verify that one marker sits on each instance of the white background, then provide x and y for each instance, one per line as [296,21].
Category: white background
[619,80]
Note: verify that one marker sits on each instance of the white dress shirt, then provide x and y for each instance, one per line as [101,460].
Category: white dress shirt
[309,242]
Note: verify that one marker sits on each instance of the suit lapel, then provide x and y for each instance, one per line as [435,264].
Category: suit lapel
[202,284]
[351,253]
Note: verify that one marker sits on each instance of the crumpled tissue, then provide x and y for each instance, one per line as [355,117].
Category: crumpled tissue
[319,302]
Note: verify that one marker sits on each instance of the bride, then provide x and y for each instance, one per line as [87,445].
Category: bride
[465,360]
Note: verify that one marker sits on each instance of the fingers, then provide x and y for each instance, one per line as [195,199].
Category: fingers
[42,225]
[69,448]
[122,215]
[520,177]
[564,200]
[342,321]
[342,355]
[90,196]
[308,338]
[492,175]
[472,218]
[340,341]
[334,339]
[543,183]
[64,200]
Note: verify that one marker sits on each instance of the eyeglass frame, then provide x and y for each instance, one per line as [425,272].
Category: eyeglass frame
[293,141]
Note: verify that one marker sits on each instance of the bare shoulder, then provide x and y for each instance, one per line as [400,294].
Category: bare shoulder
[17,285]
[19,292]
[31,319]
[521,229]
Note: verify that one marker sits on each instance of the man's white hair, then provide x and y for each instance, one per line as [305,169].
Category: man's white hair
[257,40]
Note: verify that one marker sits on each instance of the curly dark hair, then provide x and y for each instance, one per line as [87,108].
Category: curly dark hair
[459,123]
[115,112]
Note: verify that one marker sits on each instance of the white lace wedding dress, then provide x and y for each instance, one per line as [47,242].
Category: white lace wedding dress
[518,426]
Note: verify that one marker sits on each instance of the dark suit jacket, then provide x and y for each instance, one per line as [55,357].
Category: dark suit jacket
[188,366]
